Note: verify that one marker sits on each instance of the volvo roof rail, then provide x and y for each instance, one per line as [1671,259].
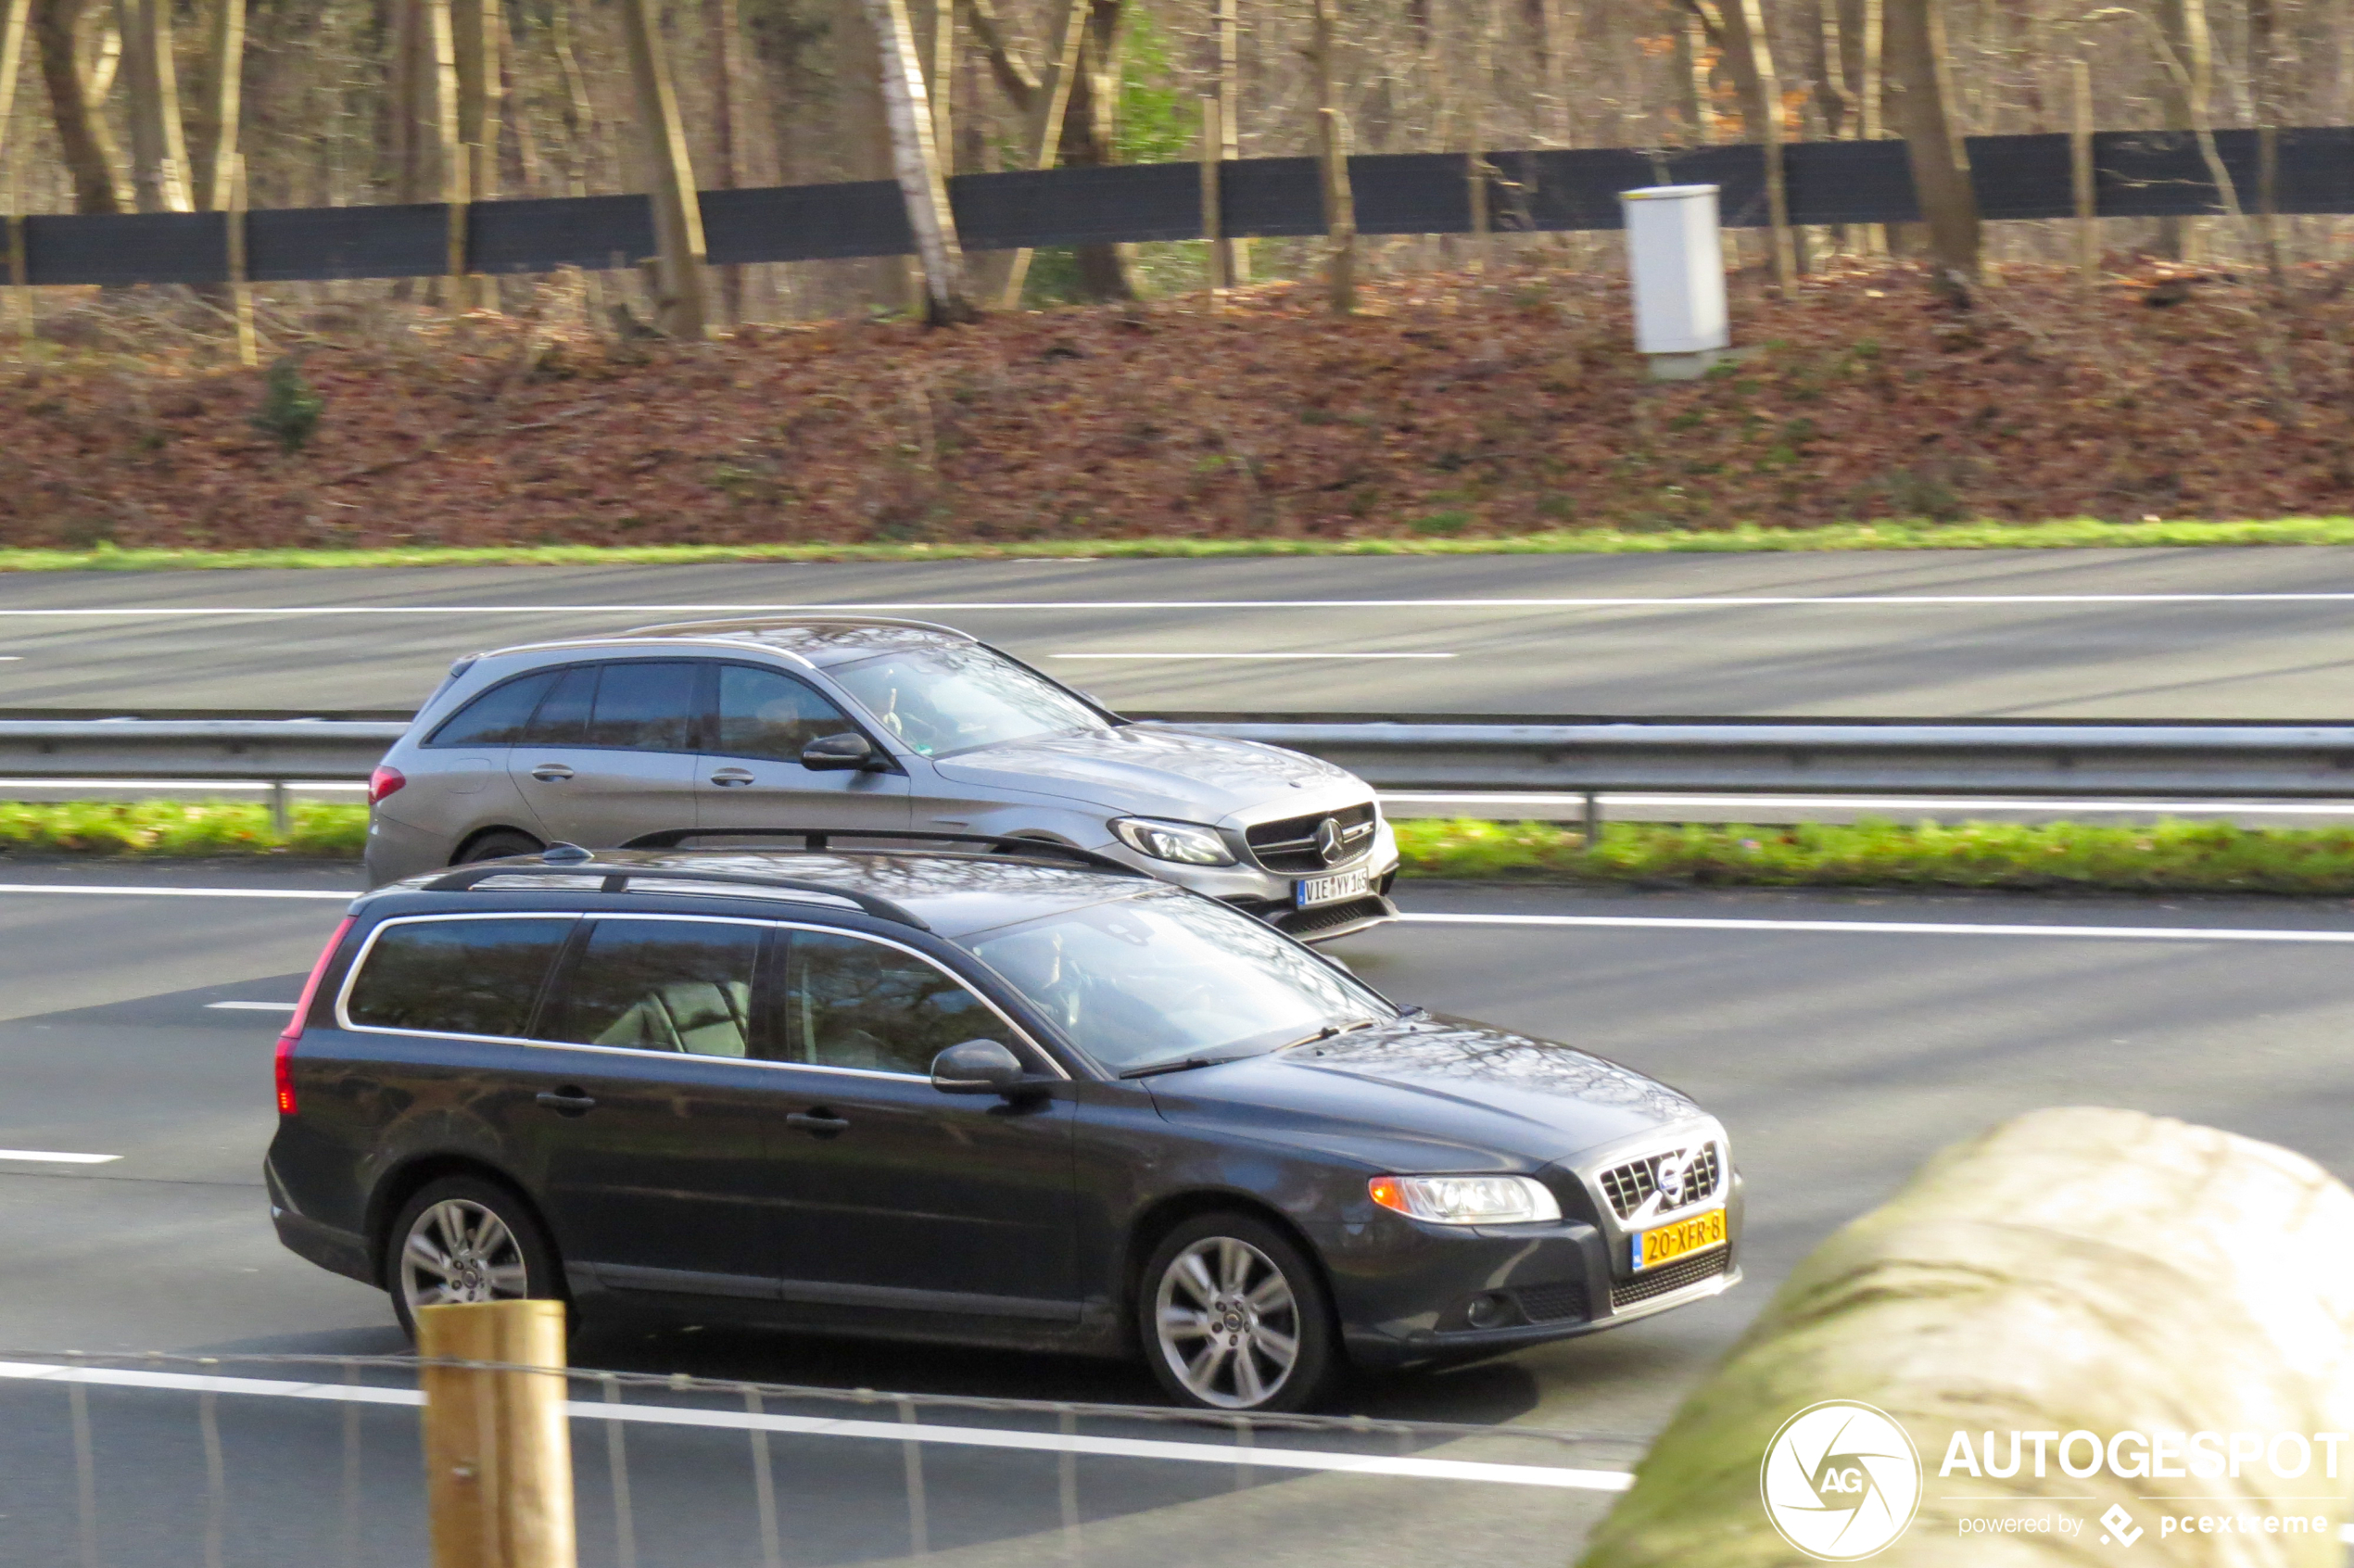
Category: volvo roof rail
[617,878]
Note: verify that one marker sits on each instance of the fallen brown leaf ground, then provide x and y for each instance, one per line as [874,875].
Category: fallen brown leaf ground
[1452,407]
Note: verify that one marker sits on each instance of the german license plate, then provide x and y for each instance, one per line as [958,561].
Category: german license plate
[1666,1242]
[1314,891]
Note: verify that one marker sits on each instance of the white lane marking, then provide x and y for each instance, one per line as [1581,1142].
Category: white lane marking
[1873,803]
[883,1431]
[51,1156]
[1250,655]
[98,892]
[1615,601]
[251,1006]
[1885,927]
[180,786]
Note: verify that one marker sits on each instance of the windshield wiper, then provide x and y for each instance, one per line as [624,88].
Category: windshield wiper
[1183,1064]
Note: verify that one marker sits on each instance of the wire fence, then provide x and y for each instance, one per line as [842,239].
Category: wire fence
[241,1461]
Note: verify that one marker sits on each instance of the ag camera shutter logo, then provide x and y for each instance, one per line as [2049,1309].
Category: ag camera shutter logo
[1840,1481]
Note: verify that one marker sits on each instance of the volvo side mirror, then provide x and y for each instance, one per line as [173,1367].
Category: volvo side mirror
[839,754]
[977,1067]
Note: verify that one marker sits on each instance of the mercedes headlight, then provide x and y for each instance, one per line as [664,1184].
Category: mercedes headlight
[1187,843]
[1467,1200]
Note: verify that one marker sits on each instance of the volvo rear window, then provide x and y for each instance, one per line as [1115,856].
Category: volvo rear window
[456,977]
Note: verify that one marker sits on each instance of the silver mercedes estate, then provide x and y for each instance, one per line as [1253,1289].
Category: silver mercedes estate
[872,723]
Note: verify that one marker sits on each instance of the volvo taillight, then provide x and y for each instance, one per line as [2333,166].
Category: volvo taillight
[384,781]
[302,1011]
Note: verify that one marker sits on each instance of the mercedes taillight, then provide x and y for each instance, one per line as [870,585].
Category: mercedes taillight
[301,1012]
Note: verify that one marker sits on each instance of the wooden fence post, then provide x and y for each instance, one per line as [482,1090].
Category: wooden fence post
[1340,214]
[2080,148]
[1233,255]
[241,294]
[497,1451]
[12,30]
[1213,204]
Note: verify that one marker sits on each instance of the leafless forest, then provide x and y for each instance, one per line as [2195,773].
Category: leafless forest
[146,105]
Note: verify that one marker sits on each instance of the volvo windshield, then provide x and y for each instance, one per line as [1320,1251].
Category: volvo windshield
[1165,981]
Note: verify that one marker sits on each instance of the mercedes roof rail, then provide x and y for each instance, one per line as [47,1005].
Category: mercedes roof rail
[821,840]
[778,622]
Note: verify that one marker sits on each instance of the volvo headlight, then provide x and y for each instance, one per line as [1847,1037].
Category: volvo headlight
[1187,843]
[1467,1200]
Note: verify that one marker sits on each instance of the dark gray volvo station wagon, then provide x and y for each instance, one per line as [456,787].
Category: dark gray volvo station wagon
[991,1091]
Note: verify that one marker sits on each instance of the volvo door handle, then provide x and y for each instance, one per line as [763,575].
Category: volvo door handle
[728,776]
[569,1102]
[818,1123]
[551,773]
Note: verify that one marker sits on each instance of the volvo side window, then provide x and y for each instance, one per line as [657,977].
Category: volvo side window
[456,977]
[856,1004]
[763,714]
[663,985]
[498,716]
[646,705]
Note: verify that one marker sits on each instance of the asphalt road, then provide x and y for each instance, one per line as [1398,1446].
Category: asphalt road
[2256,634]
[1838,1055]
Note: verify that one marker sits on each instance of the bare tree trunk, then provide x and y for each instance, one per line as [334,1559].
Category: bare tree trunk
[14,16]
[83,135]
[2184,106]
[1871,84]
[1940,169]
[2263,74]
[682,308]
[728,38]
[1340,201]
[219,104]
[1044,103]
[915,162]
[1088,142]
[159,145]
[1556,32]
[1750,54]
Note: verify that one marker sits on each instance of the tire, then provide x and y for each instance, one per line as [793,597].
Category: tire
[498,844]
[1220,1300]
[511,1260]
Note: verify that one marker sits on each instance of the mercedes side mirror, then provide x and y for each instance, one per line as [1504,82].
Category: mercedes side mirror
[839,754]
[977,1067]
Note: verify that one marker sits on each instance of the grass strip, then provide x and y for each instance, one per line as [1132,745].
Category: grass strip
[164,828]
[1743,538]
[2168,856]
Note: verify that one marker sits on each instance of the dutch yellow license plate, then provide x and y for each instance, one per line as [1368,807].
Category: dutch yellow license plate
[1668,1242]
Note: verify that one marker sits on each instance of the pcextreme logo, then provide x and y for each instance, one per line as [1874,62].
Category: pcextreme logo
[1840,1481]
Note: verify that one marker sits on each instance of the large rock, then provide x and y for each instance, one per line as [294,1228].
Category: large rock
[2075,1270]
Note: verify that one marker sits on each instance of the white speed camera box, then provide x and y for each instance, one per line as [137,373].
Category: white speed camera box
[1675,261]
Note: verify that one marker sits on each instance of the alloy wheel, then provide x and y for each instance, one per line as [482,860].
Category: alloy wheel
[459,1250]
[1228,1323]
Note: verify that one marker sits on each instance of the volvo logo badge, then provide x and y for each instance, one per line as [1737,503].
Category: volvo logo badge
[1672,1169]
[1328,840]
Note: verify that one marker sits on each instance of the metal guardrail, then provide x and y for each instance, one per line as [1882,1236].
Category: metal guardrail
[145,1460]
[2210,762]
